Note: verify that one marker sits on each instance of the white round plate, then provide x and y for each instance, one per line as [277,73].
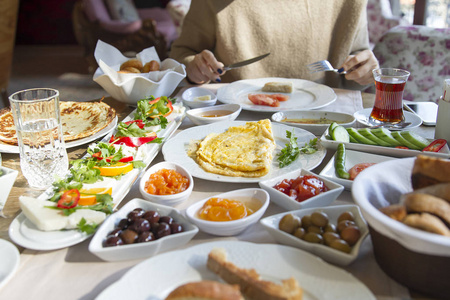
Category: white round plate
[363,115]
[23,232]
[15,149]
[175,150]
[9,262]
[318,279]
[306,94]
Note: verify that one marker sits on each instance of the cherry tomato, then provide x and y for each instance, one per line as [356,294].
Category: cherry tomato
[435,146]
[69,199]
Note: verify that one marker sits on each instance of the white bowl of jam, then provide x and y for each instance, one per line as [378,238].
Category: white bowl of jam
[229,213]
[213,114]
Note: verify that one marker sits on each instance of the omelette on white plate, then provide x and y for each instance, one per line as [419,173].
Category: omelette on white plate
[245,151]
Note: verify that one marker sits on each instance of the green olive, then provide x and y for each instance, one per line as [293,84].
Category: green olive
[340,245]
[289,223]
[315,229]
[306,221]
[345,223]
[330,228]
[300,232]
[313,238]
[328,237]
[319,219]
[348,215]
[351,234]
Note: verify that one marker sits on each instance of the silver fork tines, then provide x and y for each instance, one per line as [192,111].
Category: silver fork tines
[323,66]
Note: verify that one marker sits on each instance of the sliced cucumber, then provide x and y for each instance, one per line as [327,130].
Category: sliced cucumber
[386,136]
[403,141]
[368,134]
[359,137]
[339,134]
[332,126]
[353,140]
[415,139]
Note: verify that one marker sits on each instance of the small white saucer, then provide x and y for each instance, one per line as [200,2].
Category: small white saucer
[362,117]
[10,261]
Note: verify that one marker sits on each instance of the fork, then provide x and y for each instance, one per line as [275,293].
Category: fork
[323,66]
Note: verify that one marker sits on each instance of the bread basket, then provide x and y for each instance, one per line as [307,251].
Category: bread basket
[415,258]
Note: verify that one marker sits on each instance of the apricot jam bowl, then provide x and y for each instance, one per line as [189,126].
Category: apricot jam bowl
[229,213]
[166,183]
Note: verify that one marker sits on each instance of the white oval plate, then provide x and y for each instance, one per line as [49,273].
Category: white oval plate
[318,279]
[352,158]
[15,149]
[9,262]
[345,120]
[363,115]
[306,94]
[175,150]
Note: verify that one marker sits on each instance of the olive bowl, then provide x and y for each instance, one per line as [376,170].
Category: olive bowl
[283,200]
[144,249]
[259,197]
[271,224]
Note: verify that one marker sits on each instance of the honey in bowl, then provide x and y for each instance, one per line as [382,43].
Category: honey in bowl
[216,113]
[222,210]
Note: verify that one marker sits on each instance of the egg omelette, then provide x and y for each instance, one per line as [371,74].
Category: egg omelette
[241,151]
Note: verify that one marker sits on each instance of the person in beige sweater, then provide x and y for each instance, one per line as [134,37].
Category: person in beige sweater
[217,33]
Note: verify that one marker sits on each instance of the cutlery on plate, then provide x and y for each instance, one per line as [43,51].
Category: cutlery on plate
[323,66]
[245,62]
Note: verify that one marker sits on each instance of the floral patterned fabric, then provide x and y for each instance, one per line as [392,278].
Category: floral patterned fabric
[424,52]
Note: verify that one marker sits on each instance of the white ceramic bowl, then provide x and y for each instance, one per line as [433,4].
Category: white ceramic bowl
[190,94]
[133,87]
[327,253]
[283,200]
[196,115]
[343,119]
[7,180]
[169,200]
[140,250]
[235,227]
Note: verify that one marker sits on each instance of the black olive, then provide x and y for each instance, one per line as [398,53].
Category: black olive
[163,230]
[176,228]
[152,216]
[146,236]
[140,225]
[113,241]
[123,224]
[166,219]
[115,232]
[134,214]
[128,236]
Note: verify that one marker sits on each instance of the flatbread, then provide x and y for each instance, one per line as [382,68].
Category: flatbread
[78,119]
[241,151]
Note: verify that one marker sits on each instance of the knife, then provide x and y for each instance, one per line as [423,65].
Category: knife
[245,62]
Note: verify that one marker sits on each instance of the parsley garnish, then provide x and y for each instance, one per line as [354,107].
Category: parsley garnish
[291,151]
[87,228]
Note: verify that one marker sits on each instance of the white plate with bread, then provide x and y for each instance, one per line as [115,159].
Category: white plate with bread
[303,94]
[316,278]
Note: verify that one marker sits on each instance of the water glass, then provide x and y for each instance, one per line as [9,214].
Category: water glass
[43,155]
[389,84]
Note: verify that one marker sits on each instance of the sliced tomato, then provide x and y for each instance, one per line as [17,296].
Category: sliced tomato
[402,147]
[435,146]
[358,168]
[279,97]
[263,99]
[69,199]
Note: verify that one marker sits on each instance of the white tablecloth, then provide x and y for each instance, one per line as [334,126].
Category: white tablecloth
[75,273]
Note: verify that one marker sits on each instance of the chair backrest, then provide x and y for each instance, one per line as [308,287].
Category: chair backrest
[423,51]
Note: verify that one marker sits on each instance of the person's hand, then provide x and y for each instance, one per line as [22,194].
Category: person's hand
[359,67]
[204,68]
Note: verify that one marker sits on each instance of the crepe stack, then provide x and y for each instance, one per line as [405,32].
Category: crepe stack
[78,119]
[241,151]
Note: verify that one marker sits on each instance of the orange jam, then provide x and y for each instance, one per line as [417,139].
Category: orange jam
[219,209]
[166,182]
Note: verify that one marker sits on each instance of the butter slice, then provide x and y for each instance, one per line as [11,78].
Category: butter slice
[202,98]
[48,219]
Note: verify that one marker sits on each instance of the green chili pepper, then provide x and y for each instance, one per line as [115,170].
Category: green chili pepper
[339,162]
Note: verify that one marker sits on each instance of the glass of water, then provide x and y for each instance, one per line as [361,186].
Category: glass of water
[43,155]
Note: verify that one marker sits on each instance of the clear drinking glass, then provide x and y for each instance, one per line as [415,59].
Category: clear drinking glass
[390,84]
[43,155]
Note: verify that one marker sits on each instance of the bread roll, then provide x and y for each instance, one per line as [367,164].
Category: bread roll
[429,170]
[395,211]
[151,66]
[134,63]
[427,222]
[418,203]
[206,290]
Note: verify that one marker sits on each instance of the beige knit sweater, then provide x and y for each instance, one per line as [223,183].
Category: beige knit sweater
[295,32]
